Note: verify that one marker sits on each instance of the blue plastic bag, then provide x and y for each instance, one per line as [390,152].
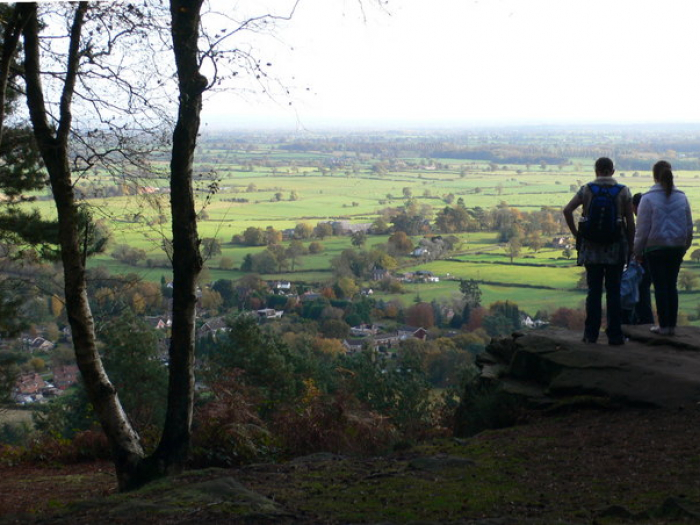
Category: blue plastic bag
[629,287]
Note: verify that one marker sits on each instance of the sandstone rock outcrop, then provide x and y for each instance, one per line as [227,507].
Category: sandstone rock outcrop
[548,366]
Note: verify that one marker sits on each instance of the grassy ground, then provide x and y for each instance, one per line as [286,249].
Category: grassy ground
[584,467]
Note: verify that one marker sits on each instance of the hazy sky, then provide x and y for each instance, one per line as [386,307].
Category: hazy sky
[476,62]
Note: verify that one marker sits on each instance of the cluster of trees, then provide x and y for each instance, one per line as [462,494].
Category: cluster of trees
[277,258]
[254,236]
[507,221]
[128,255]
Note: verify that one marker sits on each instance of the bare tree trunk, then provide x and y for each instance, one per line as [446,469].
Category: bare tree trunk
[125,443]
[187,261]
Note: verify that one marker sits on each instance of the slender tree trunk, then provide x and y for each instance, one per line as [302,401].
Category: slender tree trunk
[53,146]
[187,261]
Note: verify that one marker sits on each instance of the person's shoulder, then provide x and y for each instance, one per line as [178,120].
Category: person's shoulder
[624,191]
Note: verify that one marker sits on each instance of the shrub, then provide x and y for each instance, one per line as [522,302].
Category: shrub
[87,445]
[332,424]
[485,406]
[227,430]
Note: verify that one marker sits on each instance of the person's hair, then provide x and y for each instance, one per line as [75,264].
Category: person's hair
[636,198]
[604,166]
[664,176]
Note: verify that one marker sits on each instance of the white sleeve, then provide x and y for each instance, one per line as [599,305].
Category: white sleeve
[643,226]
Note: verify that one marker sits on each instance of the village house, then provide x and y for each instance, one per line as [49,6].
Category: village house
[28,388]
[380,341]
[386,340]
[379,274]
[38,344]
[529,322]
[364,330]
[405,332]
[65,376]
[354,344]
[159,322]
[281,287]
[358,228]
[559,242]
[269,313]
[310,296]
[213,326]
[425,276]
[420,252]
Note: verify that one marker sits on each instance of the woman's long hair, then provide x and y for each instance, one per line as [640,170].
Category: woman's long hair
[664,176]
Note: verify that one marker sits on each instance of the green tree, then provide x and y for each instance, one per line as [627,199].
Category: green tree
[268,363]
[315,247]
[226,263]
[133,361]
[535,243]
[226,290]
[263,262]
[294,252]
[359,239]
[397,387]
[210,247]
[254,237]
[380,226]
[471,294]
[513,248]
[323,230]
[348,287]
[9,372]
[399,243]
[303,231]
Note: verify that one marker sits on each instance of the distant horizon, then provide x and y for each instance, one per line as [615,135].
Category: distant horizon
[340,125]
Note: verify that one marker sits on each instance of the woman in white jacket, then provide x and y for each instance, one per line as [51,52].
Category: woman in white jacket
[664,233]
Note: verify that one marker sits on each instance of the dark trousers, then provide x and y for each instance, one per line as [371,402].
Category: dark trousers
[596,275]
[664,266]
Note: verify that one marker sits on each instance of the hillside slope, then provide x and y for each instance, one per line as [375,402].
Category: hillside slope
[620,462]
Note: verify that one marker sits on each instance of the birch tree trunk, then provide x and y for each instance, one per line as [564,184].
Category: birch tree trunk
[53,145]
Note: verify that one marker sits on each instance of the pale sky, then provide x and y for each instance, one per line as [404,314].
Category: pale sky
[478,62]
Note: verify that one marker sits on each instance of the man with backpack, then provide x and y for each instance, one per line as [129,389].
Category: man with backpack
[604,237]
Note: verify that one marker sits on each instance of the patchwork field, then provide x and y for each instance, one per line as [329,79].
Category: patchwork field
[264,185]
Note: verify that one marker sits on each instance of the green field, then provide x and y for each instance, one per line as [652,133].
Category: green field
[255,188]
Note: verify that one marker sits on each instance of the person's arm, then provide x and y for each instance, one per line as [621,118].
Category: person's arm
[642,229]
[689,221]
[629,226]
[568,212]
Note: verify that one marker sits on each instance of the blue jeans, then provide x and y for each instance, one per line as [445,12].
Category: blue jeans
[664,266]
[596,274]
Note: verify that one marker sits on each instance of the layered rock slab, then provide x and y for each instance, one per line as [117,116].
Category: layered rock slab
[546,366]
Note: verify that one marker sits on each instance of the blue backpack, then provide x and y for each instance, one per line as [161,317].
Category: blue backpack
[600,220]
